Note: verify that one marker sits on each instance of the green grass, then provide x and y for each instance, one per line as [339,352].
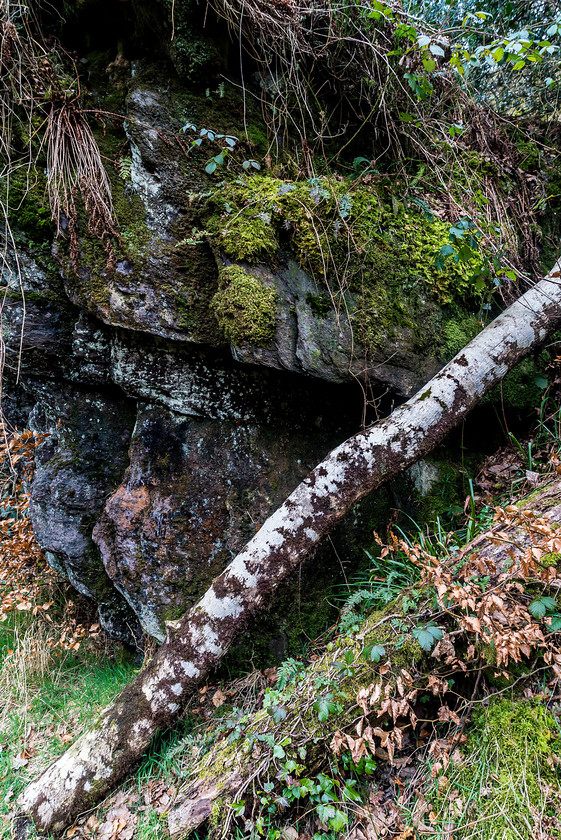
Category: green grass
[45,695]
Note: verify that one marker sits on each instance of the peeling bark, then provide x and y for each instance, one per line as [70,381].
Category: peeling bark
[102,756]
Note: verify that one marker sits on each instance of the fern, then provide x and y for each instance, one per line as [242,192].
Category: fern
[124,166]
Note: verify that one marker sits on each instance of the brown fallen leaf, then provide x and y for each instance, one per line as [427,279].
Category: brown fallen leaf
[218,698]
[120,822]
[92,823]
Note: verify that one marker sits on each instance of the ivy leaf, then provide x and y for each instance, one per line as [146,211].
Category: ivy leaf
[510,274]
[349,791]
[278,713]
[339,821]
[324,708]
[427,636]
[542,605]
[278,752]
[210,167]
[325,812]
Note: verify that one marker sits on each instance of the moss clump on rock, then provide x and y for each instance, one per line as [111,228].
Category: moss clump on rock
[324,221]
[458,332]
[244,307]
[250,239]
[29,209]
[377,258]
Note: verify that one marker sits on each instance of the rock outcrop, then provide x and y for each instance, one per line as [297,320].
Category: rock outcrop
[190,389]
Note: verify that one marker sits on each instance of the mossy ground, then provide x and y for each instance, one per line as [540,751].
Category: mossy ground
[507,784]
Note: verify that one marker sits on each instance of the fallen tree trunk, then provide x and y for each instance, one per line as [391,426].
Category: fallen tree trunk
[155,699]
[229,772]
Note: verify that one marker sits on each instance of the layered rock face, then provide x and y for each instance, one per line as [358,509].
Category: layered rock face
[174,433]
[163,458]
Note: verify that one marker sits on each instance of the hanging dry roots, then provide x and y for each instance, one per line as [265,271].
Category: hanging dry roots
[75,170]
[31,85]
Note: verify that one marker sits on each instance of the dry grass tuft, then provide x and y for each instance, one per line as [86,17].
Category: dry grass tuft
[38,92]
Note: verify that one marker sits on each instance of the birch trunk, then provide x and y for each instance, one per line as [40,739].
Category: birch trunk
[102,756]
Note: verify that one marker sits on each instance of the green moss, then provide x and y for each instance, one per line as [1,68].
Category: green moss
[320,306]
[520,389]
[324,219]
[459,332]
[379,263]
[251,240]
[530,154]
[509,754]
[131,216]
[29,205]
[244,307]
[92,286]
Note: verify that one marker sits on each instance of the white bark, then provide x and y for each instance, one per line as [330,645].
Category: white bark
[85,773]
